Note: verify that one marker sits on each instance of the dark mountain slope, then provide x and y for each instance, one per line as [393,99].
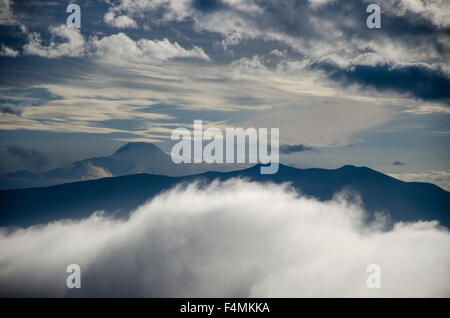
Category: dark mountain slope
[404,201]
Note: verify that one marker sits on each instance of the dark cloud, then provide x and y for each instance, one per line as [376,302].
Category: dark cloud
[14,101]
[10,109]
[32,159]
[287,149]
[399,163]
[416,81]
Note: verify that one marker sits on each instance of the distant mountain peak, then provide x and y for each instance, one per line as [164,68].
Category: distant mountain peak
[138,147]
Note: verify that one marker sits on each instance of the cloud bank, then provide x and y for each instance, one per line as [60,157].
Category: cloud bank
[228,239]
[70,42]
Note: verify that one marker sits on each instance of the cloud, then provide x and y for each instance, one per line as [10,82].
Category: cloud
[232,239]
[122,47]
[95,172]
[16,101]
[116,46]
[307,26]
[120,22]
[287,149]
[7,51]
[437,12]
[414,34]
[413,42]
[11,109]
[417,81]
[302,31]
[32,159]
[399,163]
[73,46]
[319,3]
[245,92]
[254,65]
[277,53]
[440,178]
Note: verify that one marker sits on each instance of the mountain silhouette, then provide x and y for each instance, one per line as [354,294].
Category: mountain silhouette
[132,158]
[403,201]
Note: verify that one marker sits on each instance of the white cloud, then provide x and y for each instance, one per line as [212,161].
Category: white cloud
[176,10]
[254,65]
[120,22]
[122,47]
[116,46]
[7,51]
[319,3]
[436,11]
[440,178]
[277,53]
[74,44]
[232,239]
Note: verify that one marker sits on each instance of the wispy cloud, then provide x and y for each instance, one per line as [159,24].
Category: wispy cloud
[287,149]
[11,109]
[31,158]
[7,51]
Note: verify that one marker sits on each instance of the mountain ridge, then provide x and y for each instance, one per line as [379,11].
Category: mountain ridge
[131,158]
[404,201]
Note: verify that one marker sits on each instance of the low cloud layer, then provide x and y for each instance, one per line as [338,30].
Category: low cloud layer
[228,239]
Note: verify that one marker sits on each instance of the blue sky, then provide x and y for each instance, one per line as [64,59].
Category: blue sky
[138,69]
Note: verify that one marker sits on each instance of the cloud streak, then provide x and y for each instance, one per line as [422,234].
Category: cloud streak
[228,239]
[287,149]
[32,159]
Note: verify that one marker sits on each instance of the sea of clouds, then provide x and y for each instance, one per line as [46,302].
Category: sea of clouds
[235,238]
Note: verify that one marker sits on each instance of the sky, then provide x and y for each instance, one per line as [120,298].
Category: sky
[340,93]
